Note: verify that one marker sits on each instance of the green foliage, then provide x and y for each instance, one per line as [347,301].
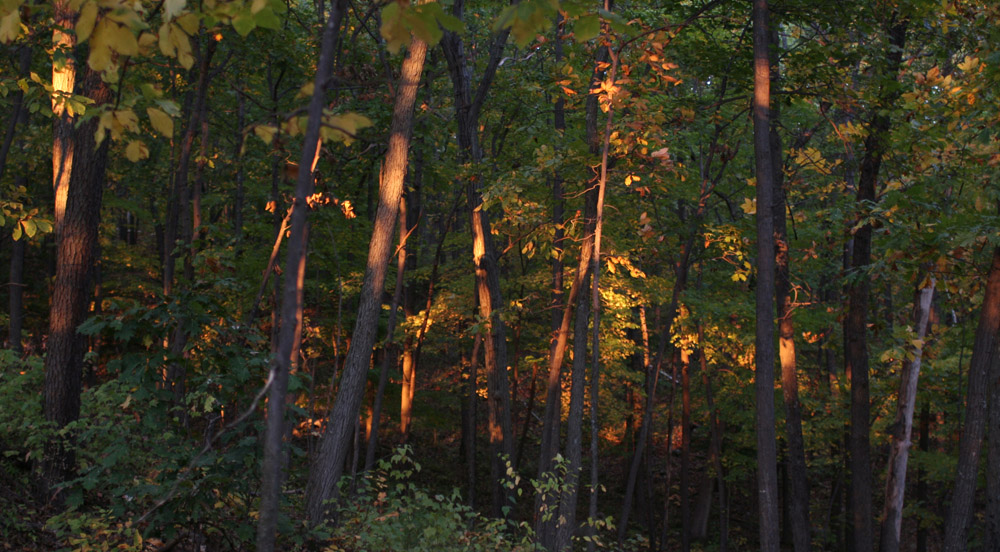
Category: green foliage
[390,513]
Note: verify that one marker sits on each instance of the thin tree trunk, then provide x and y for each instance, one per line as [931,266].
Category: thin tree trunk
[767,477]
[292,297]
[327,469]
[925,423]
[76,246]
[389,334]
[984,354]
[16,295]
[715,431]
[595,290]
[685,482]
[240,170]
[470,423]
[895,484]
[17,112]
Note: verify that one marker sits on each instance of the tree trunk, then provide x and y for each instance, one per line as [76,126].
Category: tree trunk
[984,355]
[895,484]
[767,477]
[291,307]
[17,112]
[16,295]
[328,466]
[856,327]
[485,257]
[390,330]
[76,245]
[63,84]
[685,482]
[797,501]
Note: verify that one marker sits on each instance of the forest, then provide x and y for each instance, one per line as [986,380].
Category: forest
[394,275]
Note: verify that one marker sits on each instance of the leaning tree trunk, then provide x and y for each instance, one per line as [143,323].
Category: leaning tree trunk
[291,306]
[984,353]
[329,464]
[76,246]
[767,477]
[895,484]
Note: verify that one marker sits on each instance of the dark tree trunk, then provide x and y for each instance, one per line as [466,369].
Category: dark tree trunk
[984,355]
[485,257]
[767,478]
[17,111]
[856,325]
[291,304]
[685,482]
[76,246]
[327,469]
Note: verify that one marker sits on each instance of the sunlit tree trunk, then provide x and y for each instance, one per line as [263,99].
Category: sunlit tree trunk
[485,257]
[797,501]
[63,84]
[767,477]
[984,354]
[327,468]
[76,246]
[895,484]
[389,348]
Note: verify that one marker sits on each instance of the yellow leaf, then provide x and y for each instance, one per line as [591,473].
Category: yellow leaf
[180,41]
[189,22]
[146,41]
[136,151]
[265,132]
[166,47]
[100,51]
[85,24]
[258,5]
[127,119]
[307,90]
[10,26]
[123,41]
[346,126]
[161,121]
[749,206]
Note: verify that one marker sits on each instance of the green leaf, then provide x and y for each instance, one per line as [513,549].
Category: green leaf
[16,233]
[244,22]
[587,27]
[29,227]
[85,24]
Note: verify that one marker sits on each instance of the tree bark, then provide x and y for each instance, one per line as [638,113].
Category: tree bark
[856,326]
[984,355]
[76,246]
[685,482]
[390,330]
[327,468]
[895,484]
[63,84]
[798,499]
[291,307]
[485,257]
[767,477]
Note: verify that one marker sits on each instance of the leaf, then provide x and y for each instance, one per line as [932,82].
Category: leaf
[10,27]
[587,27]
[265,132]
[749,206]
[189,22]
[180,41]
[258,5]
[16,233]
[393,31]
[344,127]
[171,8]
[85,24]
[100,50]
[29,227]
[244,22]
[136,151]
[161,121]
[123,41]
